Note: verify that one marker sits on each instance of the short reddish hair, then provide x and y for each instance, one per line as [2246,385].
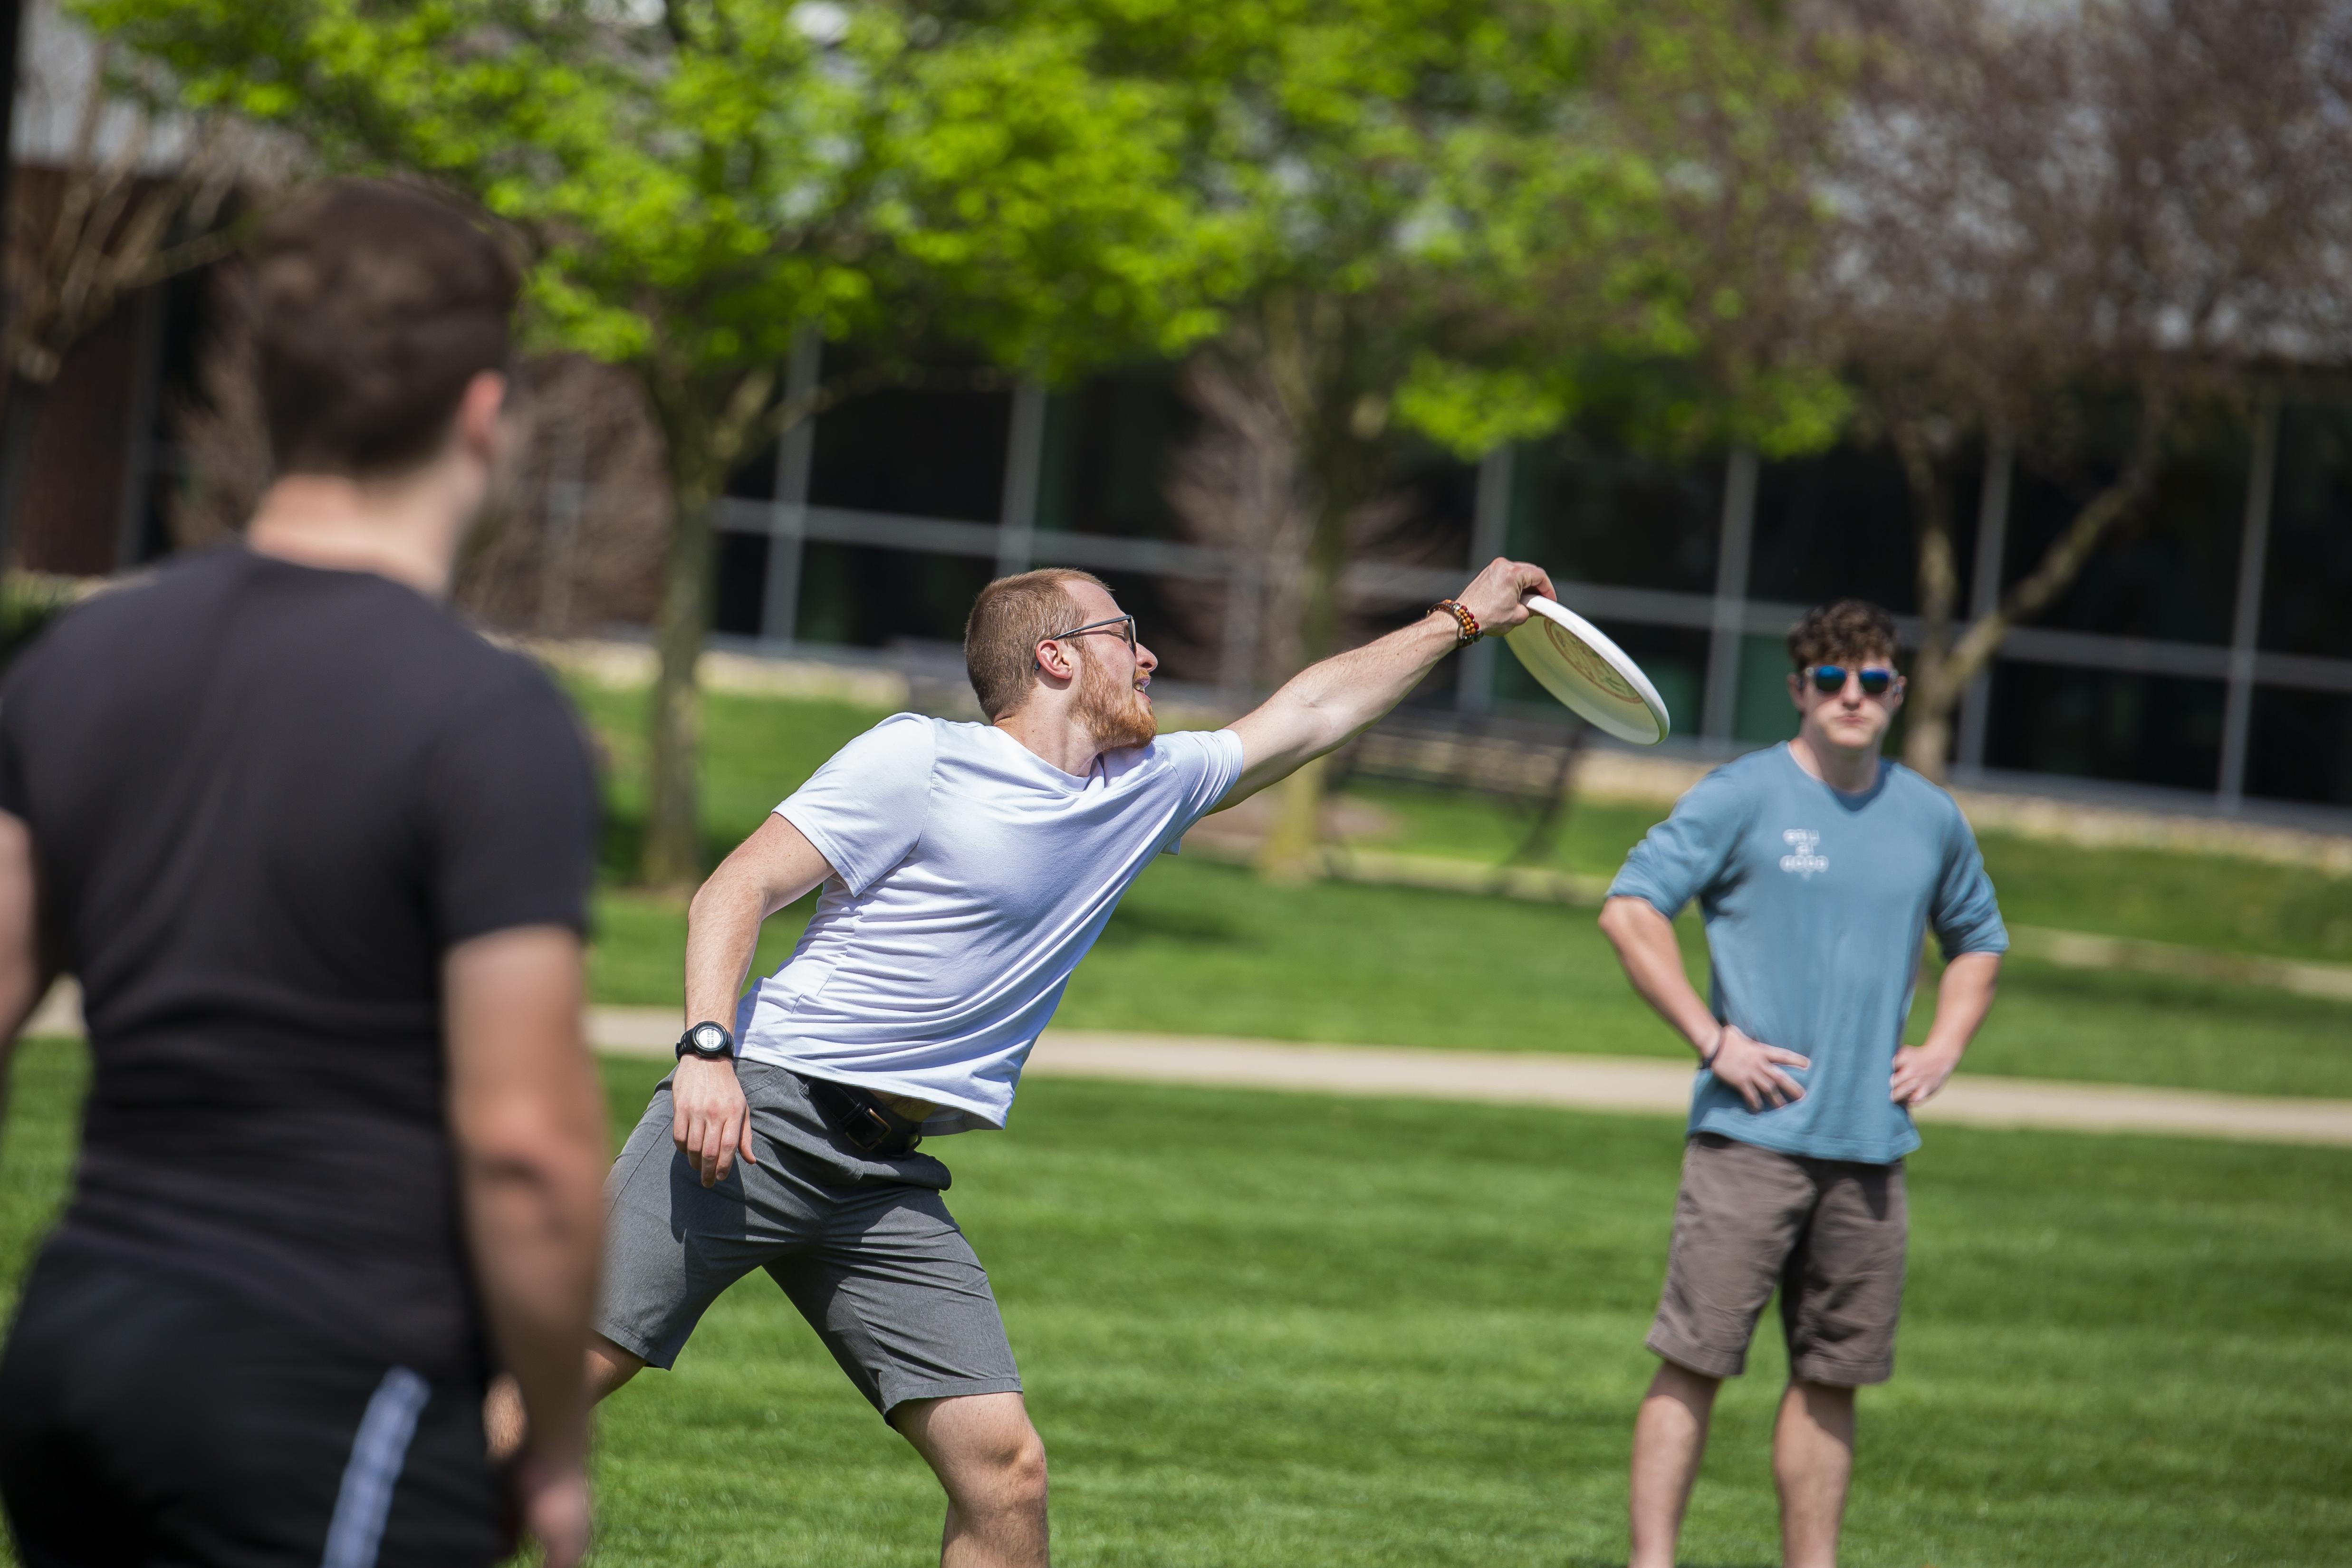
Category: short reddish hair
[1010,618]
[1847,632]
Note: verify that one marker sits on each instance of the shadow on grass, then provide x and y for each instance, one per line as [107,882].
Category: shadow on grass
[621,847]
[1132,923]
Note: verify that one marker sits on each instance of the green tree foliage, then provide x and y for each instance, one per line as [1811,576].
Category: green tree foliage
[700,180]
[1466,221]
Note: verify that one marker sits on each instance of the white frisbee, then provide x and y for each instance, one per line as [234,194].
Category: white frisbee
[1576,662]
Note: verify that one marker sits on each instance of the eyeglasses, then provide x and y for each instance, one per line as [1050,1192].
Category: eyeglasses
[1830,679]
[1126,625]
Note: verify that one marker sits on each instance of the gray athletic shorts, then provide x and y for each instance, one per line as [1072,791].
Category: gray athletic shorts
[1829,1233]
[865,1248]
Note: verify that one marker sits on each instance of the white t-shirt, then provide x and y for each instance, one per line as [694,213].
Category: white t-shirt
[971,876]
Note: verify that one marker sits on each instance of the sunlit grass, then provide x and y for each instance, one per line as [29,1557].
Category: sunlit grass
[1276,1329]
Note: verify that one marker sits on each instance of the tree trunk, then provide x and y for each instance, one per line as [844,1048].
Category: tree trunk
[1291,851]
[673,844]
[18,423]
[1931,697]
[1936,693]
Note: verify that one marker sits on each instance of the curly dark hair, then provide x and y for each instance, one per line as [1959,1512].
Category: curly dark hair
[1847,632]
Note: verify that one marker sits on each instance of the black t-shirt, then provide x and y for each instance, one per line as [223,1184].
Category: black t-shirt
[265,799]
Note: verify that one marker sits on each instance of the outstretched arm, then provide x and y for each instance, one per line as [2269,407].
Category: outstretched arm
[23,976]
[1324,704]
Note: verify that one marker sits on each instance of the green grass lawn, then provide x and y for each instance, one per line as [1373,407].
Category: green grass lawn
[1207,949]
[1197,948]
[2201,900]
[1279,1330]
[756,749]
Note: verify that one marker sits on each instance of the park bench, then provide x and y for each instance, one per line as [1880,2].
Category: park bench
[1522,764]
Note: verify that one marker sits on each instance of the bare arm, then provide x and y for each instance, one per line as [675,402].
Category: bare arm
[1961,1002]
[1645,945]
[774,866]
[24,975]
[528,1118]
[1322,705]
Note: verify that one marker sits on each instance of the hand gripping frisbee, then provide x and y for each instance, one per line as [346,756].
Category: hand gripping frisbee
[1577,663]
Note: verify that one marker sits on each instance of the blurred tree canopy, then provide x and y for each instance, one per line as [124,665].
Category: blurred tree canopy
[1454,218]
[1461,222]
[700,182]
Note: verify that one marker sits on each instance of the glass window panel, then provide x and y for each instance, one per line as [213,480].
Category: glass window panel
[2307,579]
[2169,572]
[1427,514]
[1837,525]
[1107,447]
[2300,746]
[2103,724]
[920,453]
[1763,713]
[753,479]
[742,585]
[869,597]
[1587,510]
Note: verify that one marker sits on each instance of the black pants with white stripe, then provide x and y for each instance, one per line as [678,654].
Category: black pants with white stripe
[146,1419]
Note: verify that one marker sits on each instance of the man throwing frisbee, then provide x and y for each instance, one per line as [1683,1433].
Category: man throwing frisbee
[966,869]
[1819,867]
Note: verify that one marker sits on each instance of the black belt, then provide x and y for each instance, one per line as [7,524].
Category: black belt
[864,1121]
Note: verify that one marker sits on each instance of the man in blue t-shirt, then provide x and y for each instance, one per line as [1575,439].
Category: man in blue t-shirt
[1820,869]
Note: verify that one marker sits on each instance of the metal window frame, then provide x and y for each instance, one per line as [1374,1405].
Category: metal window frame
[1728,615]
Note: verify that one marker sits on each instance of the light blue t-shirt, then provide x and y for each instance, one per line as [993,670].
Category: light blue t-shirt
[1817,903]
[969,877]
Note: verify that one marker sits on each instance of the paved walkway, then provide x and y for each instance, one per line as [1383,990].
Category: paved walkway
[1588,1083]
[1641,1084]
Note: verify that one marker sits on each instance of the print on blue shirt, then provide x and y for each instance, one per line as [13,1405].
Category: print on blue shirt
[1817,904]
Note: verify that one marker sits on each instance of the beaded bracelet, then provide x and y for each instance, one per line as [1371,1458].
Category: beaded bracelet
[1465,623]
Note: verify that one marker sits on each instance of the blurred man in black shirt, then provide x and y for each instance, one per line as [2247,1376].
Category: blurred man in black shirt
[319,857]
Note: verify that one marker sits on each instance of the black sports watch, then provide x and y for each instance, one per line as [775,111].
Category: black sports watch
[709,1041]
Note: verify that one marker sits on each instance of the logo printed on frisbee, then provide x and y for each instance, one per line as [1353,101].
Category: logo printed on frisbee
[1589,664]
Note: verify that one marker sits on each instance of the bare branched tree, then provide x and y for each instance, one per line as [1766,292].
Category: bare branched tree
[106,223]
[572,536]
[222,436]
[1300,493]
[1236,485]
[2149,199]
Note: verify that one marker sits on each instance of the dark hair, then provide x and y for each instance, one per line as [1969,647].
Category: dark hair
[377,304]
[1010,618]
[1847,632]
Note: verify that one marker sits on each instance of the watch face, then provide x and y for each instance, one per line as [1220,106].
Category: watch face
[709,1039]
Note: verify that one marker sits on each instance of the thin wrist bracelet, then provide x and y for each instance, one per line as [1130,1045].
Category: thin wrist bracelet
[1706,1057]
[1465,623]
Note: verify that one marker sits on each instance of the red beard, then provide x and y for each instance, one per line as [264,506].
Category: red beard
[1116,714]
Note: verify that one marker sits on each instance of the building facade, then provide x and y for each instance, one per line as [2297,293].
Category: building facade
[2202,653]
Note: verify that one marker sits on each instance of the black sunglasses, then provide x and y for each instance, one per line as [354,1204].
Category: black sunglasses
[1126,624]
[1830,679]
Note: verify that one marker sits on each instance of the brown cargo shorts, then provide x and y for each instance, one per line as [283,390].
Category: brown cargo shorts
[1830,1233]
